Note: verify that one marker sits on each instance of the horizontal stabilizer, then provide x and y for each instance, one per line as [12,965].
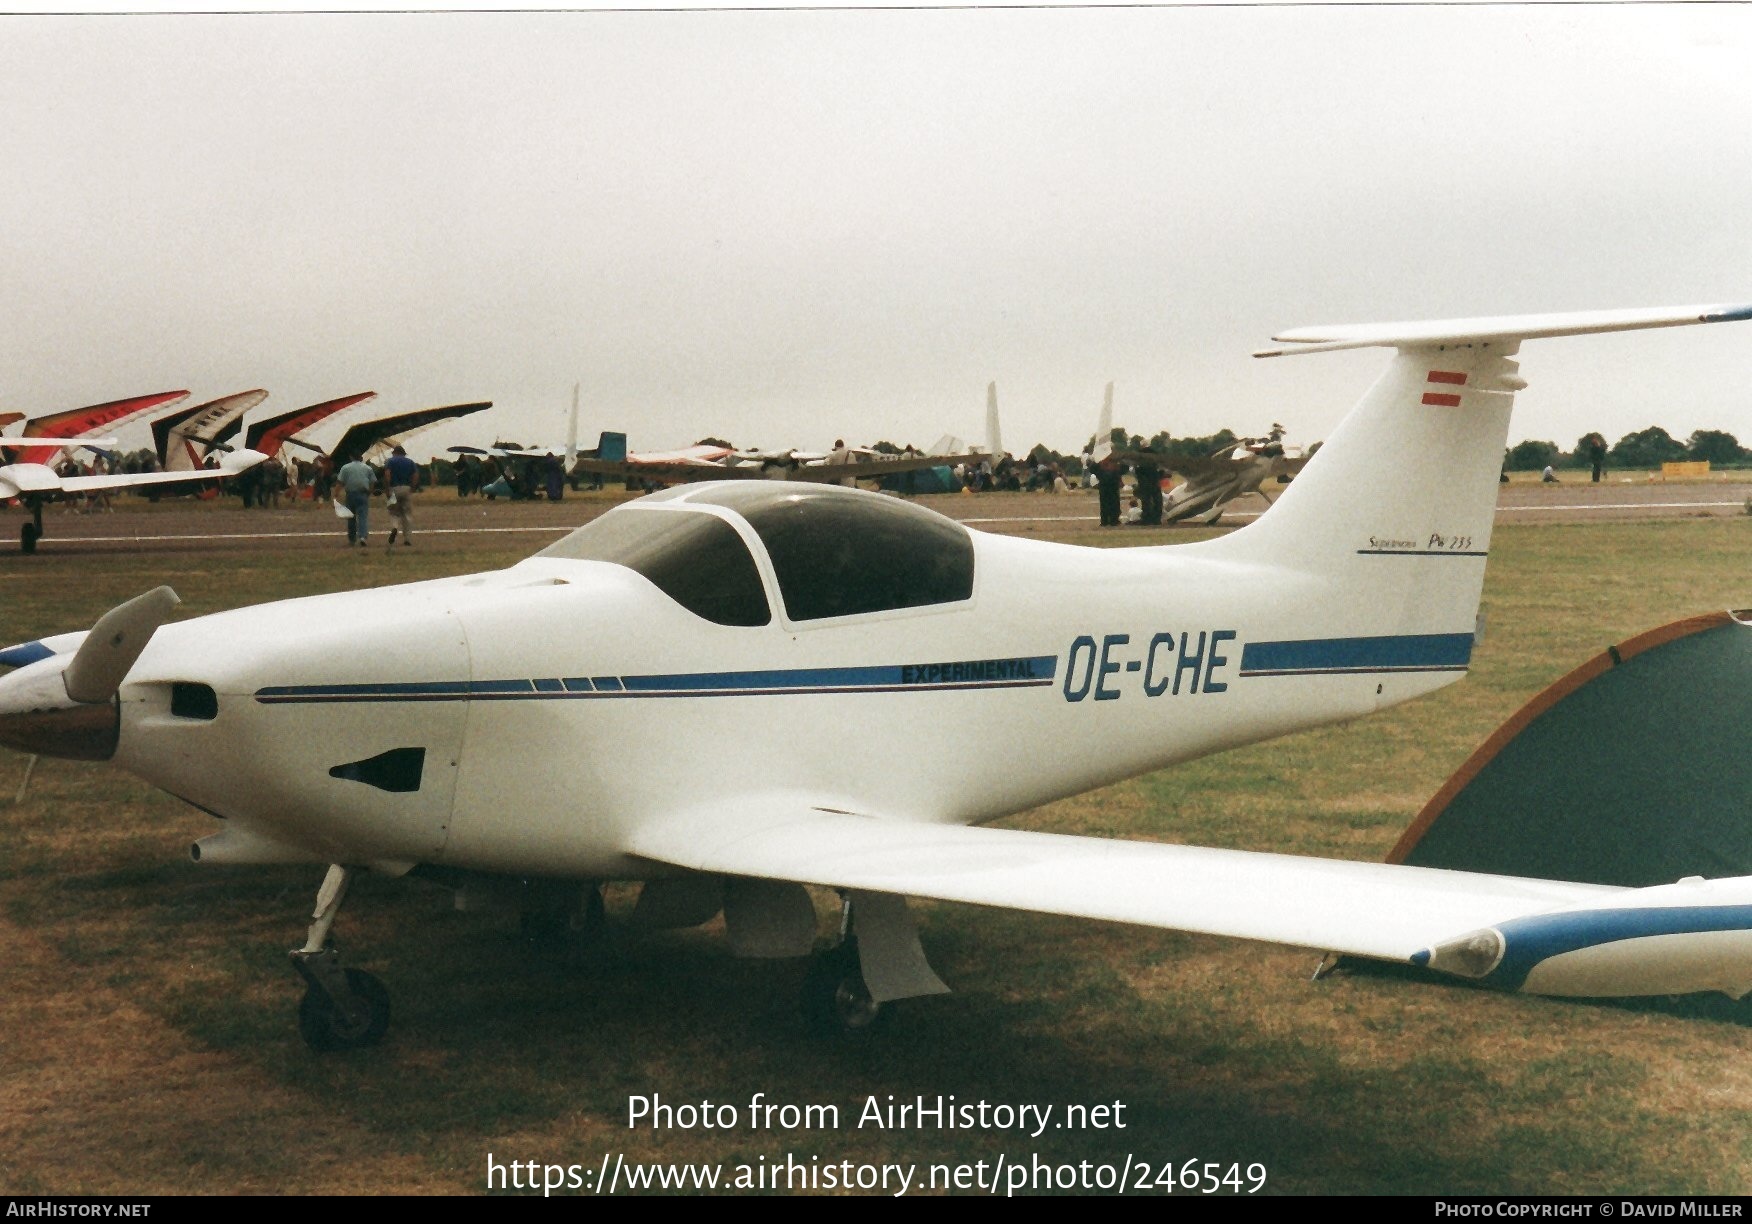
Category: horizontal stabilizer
[1444,332]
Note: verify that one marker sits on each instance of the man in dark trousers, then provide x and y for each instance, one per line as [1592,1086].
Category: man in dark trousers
[1150,491]
[1107,474]
[402,475]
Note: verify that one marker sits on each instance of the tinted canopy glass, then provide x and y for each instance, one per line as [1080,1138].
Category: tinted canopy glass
[839,552]
[695,558]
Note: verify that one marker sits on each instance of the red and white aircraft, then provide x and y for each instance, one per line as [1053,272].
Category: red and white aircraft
[28,475]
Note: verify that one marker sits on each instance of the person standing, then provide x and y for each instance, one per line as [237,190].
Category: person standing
[402,475]
[356,480]
[1150,491]
[1107,477]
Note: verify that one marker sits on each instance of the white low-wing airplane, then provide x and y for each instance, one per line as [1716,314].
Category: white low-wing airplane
[36,484]
[900,680]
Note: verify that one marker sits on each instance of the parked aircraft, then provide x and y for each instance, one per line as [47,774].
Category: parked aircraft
[360,438]
[82,422]
[1229,473]
[34,485]
[725,463]
[841,465]
[886,681]
[183,438]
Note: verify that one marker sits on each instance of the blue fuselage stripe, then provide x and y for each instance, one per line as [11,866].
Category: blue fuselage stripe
[24,653]
[898,678]
[1341,656]
[1529,941]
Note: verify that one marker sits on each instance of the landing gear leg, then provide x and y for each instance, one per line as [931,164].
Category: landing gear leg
[342,1009]
[31,532]
[836,1000]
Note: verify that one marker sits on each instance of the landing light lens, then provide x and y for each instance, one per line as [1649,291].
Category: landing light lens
[1472,956]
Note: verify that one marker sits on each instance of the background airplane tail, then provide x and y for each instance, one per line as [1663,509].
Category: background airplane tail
[1103,446]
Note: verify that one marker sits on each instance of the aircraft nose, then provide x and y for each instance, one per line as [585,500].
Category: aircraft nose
[65,705]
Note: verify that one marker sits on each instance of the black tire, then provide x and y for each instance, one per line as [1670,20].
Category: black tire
[323,1027]
[836,1002]
[28,535]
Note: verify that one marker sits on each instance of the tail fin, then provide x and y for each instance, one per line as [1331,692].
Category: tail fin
[1396,507]
[572,430]
[611,446]
[994,437]
[1104,428]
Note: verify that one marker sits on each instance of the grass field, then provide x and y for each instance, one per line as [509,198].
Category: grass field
[147,1041]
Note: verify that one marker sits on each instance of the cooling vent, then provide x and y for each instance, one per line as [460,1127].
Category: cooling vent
[397,770]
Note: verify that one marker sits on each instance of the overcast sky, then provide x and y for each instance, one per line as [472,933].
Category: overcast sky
[786,227]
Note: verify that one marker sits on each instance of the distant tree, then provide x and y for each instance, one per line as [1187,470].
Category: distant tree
[886,447]
[1722,449]
[1583,454]
[1531,456]
[1647,448]
[1199,448]
[714,442]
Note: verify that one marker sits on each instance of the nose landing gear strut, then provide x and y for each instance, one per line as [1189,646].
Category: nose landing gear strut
[342,1009]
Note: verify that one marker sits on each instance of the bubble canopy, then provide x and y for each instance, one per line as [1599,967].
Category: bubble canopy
[834,552]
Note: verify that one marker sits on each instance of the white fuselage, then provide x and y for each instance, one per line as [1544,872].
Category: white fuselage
[560,702]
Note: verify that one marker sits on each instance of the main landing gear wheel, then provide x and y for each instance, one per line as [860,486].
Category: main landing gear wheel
[28,535]
[324,1024]
[836,1002]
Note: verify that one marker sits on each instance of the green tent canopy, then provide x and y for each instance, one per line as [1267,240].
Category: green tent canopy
[1634,769]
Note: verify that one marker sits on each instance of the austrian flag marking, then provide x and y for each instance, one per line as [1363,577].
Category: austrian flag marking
[1444,399]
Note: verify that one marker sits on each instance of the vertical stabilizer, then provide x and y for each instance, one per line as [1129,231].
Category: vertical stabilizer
[1104,428]
[1393,514]
[572,430]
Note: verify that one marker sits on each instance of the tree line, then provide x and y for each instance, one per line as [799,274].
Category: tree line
[1643,450]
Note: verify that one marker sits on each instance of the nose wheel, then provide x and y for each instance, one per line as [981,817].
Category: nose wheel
[836,1001]
[325,1024]
[342,1009]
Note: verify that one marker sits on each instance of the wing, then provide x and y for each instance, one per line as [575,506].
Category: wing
[40,481]
[1376,910]
[97,484]
[875,466]
[677,470]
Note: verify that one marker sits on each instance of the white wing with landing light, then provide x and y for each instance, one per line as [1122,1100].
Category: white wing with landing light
[1376,910]
[1538,936]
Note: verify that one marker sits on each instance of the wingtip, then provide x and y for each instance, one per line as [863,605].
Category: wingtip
[1727,314]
